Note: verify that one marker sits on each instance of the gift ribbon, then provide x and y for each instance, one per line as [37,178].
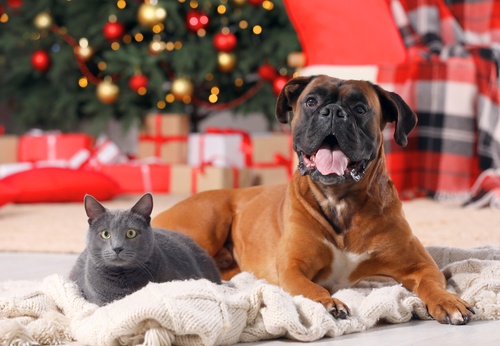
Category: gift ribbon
[279,161]
[201,170]
[245,145]
[146,178]
[162,139]
[51,147]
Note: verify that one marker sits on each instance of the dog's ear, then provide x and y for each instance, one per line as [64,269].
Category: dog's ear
[289,95]
[395,109]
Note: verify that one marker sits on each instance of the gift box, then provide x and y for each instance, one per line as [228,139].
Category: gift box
[51,146]
[105,152]
[170,149]
[265,146]
[8,145]
[164,137]
[139,178]
[189,179]
[270,175]
[7,169]
[220,148]
[272,158]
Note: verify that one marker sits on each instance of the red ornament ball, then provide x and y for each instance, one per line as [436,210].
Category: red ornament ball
[138,81]
[113,31]
[14,3]
[267,72]
[196,20]
[279,83]
[225,42]
[40,60]
[255,2]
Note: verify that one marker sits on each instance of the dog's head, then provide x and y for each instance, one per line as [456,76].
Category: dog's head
[337,124]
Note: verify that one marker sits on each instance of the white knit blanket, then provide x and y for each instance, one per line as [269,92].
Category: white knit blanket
[242,310]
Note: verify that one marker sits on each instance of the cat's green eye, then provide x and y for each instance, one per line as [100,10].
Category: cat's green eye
[106,234]
[131,234]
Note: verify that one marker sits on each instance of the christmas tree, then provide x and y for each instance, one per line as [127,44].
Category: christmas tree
[64,63]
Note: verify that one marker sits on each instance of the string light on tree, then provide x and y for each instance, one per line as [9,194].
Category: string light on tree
[83,51]
[156,45]
[107,92]
[43,21]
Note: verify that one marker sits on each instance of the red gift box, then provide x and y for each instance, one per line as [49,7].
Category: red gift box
[139,178]
[51,147]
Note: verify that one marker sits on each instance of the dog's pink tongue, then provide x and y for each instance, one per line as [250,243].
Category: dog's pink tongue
[330,161]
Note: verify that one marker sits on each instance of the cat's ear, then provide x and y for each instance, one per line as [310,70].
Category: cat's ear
[144,206]
[92,207]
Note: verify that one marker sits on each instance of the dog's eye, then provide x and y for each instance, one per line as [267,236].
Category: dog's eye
[360,110]
[311,102]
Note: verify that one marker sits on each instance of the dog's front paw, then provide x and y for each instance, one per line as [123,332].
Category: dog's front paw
[451,309]
[336,307]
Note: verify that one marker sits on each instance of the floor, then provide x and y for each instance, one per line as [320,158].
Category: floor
[36,266]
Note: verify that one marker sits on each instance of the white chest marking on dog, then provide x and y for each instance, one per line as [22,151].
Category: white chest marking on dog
[344,263]
[338,206]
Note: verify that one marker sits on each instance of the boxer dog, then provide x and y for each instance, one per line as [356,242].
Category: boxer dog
[339,220]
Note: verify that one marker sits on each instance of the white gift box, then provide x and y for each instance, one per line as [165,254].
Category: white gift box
[12,168]
[220,150]
[75,162]
[106,152]
[7,169]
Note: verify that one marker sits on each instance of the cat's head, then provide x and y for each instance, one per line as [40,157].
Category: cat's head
[120,238]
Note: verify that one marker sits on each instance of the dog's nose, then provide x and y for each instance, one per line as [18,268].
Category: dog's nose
[333,110]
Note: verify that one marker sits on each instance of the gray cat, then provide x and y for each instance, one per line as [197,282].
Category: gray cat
[124,253]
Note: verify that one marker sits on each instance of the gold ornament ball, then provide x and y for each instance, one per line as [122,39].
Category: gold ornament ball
[43,20]
[226,61]
[84,53]
[239,2]
[150,15]
[107,92]
[181,87]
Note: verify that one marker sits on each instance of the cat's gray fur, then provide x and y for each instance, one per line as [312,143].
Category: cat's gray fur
[109,269]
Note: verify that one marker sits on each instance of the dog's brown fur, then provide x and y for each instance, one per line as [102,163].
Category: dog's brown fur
[295,234]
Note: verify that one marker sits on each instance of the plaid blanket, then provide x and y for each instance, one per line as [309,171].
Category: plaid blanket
[451,81]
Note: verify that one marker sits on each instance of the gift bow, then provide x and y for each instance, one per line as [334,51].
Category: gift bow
[246,142]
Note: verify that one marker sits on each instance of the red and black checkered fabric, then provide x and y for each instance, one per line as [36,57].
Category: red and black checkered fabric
[451,81]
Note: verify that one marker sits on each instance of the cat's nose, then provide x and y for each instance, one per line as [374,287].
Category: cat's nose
[118,249]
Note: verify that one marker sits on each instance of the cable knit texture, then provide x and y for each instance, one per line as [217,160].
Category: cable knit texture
[245,309]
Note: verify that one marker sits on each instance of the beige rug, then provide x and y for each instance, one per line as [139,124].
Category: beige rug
[63,227]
